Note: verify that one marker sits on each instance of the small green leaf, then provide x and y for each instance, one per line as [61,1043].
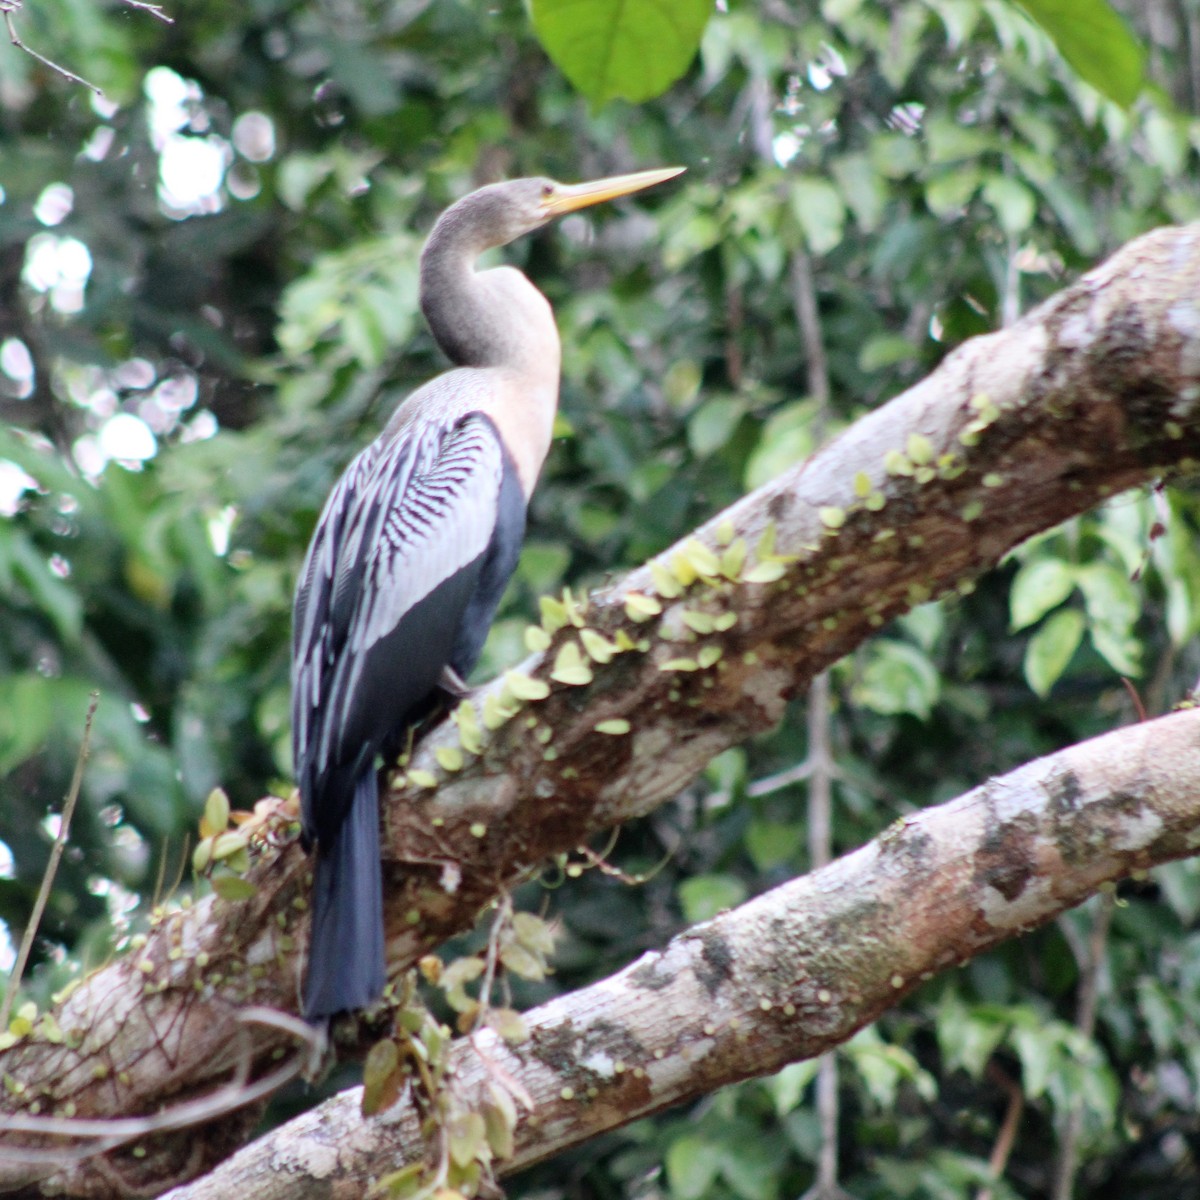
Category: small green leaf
[733,558]
[1012,202]
[692,1165]
[599,648]
[525,687]
[697,621]
[819,210]
[703,896]
[226,845]
[536,639]
[554,614]
[1052,648]
[520,961]
[617,726]
[612,50]
[469,732]
[1040,585]
[679,664]
[697,558]
[639,607]
[497,711]
[765,572]
[233,887]
[898,678]
[509,1024]
[449,758]
[1096,43]
[665,583]
[216,814]
[570,666]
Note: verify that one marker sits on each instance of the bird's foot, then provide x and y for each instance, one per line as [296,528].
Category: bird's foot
[452,683]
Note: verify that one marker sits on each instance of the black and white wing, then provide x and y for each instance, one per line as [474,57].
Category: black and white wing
[403,576]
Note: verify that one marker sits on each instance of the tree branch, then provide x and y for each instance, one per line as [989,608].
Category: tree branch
[1094,392]
[791,974]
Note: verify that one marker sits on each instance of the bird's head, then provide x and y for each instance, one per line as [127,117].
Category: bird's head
[503,212]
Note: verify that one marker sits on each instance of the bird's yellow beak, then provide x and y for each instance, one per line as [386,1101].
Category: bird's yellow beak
[567,197]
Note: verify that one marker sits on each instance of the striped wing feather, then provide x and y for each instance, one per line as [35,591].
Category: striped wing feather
[391,570]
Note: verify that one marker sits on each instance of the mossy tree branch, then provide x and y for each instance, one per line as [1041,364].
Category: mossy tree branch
[1096,391]
[792,973]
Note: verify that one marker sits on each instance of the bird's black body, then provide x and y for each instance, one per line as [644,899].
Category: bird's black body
[369,652]
[412,554]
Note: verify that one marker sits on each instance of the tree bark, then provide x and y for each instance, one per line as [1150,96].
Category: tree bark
[792,973]
[1096,391]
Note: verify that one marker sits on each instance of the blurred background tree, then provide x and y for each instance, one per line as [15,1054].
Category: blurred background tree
[208,304]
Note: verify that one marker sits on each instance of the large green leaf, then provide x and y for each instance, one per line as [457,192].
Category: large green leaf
[615,50]
[1096,42]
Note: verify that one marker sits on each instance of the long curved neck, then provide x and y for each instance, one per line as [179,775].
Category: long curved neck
[493,318]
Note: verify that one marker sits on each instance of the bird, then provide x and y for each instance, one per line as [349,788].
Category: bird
[411,554]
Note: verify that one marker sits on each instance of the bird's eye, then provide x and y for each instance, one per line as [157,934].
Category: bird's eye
[547,190]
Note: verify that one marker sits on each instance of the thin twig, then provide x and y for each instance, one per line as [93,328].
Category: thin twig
[1006,1138]
[1091,961]
[11,6]
[56,853]
[155,10]
[777,782]
[104,1134]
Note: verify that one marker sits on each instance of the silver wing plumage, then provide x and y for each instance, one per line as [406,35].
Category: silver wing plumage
[390,575]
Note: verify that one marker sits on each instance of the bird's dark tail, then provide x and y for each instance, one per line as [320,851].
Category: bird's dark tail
[346,957]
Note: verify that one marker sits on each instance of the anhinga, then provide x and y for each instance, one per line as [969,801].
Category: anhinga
[412,553]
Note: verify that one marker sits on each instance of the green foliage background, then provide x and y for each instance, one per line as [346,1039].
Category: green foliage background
[941,163]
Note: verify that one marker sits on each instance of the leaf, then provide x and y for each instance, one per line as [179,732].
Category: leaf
[496,712]
[598,647]
[500,1129]
[898,678]
[703,896]
[862,189]
[534,932]
[765,572]
[469,732]
[234,887]
[1040,585]
[1012,201]
[665,584]
[517,959]
[617,727]
[612,50]
[786,1087]
[449,758]
[466,1137]
[454,979]
[537,639]
[698,558]
[381,1078]
[713,424]
[26,715]
[525,687]
[1036,1048]
[818,208]
[967,1035]
[1052,648]
[640,607]
[509,1024]
[692,1164]
[570,666]
[216,814]
[1097,44]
